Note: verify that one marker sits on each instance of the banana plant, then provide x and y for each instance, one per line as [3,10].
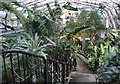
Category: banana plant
[9,7]
[76,31]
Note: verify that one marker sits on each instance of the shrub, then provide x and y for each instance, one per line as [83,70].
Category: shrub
[109,69]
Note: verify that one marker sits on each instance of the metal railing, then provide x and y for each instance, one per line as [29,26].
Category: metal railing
[23,67]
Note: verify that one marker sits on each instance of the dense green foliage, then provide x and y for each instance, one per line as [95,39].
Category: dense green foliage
[101,49]
[42,32]
[41,36]
[109,70]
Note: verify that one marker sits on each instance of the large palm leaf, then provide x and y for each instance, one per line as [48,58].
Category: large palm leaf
[9,7]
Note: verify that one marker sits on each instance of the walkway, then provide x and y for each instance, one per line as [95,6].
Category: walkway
[83,74]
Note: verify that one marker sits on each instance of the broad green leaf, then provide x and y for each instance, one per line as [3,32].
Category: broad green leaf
[11,35]
[115,30]
[111,55]
[30,16]
[69,7]
[42,23]
[53,43]
[77,30]
[102,48]
[50,11]
[17,4]
[116,35]
[45,45]
[90,47]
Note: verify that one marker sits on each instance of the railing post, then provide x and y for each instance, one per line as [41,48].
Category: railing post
[55,65]
[5,71]
[46,72]
[66,69]
[70,62]
[59,69]
[63,73]
[11,62]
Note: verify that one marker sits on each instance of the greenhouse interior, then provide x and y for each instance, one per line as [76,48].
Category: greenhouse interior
[60,41]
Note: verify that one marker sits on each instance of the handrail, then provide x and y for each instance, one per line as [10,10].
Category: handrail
[29,53]
[25,62]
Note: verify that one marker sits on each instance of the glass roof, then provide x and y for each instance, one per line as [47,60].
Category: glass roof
[109,6]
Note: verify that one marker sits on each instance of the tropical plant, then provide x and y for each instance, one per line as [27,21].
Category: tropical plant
[41,29]
[38,38]
[92,20]
[62,50]
[25,41]
[100,43]
[11,8]
[99,51]
[36,22]
[109,69]
[100,48]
